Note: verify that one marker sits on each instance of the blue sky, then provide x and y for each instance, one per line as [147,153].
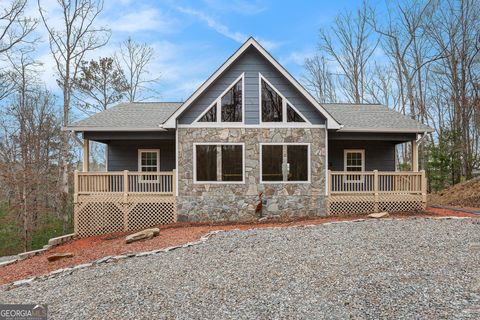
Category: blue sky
[192,38]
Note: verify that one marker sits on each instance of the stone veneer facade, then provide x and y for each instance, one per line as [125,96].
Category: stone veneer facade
[238,202]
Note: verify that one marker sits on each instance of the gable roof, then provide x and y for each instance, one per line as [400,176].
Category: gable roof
[373,118]
[171,121]
[136,116]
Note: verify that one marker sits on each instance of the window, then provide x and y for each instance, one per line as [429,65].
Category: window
[285,162]
[228,107]
[219,162]
[148,160]
[272,110]
[275,107]
[354,160]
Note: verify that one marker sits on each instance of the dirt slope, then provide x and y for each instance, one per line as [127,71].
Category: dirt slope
[465,194]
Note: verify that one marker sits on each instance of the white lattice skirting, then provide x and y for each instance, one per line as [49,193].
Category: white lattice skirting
[106,213]
[358,204]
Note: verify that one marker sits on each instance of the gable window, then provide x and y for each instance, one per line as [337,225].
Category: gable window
[275,107]
[228,107]
[285,162]
[354,160]
[219,162]
[148,160]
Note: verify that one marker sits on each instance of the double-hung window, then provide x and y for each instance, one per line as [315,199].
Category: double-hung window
[288,162]
[148,160]
[217,162]
[354,161]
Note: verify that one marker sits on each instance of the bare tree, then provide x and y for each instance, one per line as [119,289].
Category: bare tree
[349,42]
[454,32]
[69,42]
[135,59]
[14,26]
[319,79]
[28,145]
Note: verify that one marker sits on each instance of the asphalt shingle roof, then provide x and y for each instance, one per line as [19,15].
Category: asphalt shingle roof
[136,115]
[373,117]
[150,115]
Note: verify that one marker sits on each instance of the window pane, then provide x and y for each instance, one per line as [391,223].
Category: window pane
[271,104]
[148,161]
[292,115]
[272,158]
[206,163]
[232,163]
[210,116]
[297,157]
[231,104]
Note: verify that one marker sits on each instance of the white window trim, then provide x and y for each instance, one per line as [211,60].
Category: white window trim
[195,144]
[355,176]
[218,105]
[346,151]
[157,151]
[286,144]
[285,101]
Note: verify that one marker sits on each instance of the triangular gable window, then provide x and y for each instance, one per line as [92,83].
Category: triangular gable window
[275,107]
[210,115]
[292,115]
[229,105]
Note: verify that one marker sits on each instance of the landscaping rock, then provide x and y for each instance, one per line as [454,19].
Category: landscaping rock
[59,256]
[378,215]
[143,235]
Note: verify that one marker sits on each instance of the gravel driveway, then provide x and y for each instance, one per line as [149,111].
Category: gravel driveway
[373,269]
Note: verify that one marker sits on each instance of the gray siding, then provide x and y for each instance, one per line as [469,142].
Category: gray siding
[123,154]
[379,155]
[398,137]
[251,62]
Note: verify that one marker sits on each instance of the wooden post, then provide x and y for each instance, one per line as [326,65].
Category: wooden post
[414,156]
[86,155]
[424,189]
[75,201]
[329,183]
[174,182]
[125,200]
[375,190]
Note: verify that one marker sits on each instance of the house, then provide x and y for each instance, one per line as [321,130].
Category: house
[250,142]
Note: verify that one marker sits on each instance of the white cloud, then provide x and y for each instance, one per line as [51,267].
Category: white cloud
[146,19]
[225,30]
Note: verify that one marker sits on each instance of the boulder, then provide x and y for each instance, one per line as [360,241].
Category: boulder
[378,215]
[142,235]
[59,256]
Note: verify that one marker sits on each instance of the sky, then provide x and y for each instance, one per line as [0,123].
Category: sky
[192,39]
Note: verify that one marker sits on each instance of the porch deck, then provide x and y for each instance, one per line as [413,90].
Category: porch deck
[107,202]
[375,191]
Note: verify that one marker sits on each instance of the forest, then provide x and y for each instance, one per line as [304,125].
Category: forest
[420,58]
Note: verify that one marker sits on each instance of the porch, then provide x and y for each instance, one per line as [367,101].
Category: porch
[106,202]
[375,191]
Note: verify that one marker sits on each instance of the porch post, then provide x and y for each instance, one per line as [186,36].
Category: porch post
[414,156]
[86,155]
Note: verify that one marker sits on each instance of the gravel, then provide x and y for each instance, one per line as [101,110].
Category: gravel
[418,268]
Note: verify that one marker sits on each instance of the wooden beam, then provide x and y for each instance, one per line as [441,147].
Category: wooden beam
[414,156]
[86,155]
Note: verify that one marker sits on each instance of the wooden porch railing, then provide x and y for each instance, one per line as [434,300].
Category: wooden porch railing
[125,182]
[362,192]
[122,201]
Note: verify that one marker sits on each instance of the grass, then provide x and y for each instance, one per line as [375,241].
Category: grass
[11,239]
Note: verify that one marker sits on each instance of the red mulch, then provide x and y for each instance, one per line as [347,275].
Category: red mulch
[90,249]
[447,212]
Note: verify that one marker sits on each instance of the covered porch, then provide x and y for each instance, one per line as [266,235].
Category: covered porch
[136,191]
[363,175]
